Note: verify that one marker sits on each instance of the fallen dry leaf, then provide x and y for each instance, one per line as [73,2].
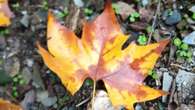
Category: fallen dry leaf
[5,13]
[98,55]
[6,105]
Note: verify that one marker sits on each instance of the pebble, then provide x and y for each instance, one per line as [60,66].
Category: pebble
[12,66]
[28,99]
[185,81]
[37,80]
[167,82]
[172,19]
[124,9]
[2,42]
[25,20]
[43,97]
[102,101]
[27,75]
[192,9]
[190,38]
[79,3]
[29,62]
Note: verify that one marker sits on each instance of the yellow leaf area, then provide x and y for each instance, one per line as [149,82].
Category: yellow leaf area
[5,13]
[6,105]
[98,55]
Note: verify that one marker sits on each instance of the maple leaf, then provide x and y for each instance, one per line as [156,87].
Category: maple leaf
[5,13]
[98,55]
[6,105]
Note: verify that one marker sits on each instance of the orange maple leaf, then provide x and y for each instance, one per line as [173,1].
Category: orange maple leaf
[5,13]
[6,105]
[98,55]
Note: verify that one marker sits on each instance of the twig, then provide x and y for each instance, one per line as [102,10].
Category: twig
[83,102]
[93,95]
[154,21]
[172,91]
[180,66]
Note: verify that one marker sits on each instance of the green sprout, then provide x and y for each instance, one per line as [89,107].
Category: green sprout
[14,91]
[182,49]
[177,42]
[88,11]
[16,6]
[62,14]
[170,12]
[153,74]
[142,39]
[184,46]
[17,80]
[4,32]
[15,94]
[89,82]
[193,16]
[134,16]
[45,5]
[149,29]
[116,8]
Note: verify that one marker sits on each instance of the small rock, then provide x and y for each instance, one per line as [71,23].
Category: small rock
[40,16]
[37,80]
[27,75]
[185,82]
[190,39]
[29,62]
[28,100]
[172,19]
[146,14]
[167,81]
[49,101]
[102,101]
[25,20]
[145,2]
[186,107]
[79,3]
[124,9]
[2,42]
[192,9]
[12,66]
[43,97]
[13,46]
[138,107]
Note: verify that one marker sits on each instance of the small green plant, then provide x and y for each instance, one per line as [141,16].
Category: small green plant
[62,14]
[88,11]
[134,16]
[184,46]
[149,29]
[142,39]
[4,32]
[153,74]
[177,42]
[16,6]
[45,5]
[89,82]
[170,12]
[17,80]
[183,50]
[193,16]
[116,8]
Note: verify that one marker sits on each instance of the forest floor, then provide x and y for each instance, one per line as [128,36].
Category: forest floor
[26,80]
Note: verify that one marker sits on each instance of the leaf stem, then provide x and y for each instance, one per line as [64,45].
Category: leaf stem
[93,94]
